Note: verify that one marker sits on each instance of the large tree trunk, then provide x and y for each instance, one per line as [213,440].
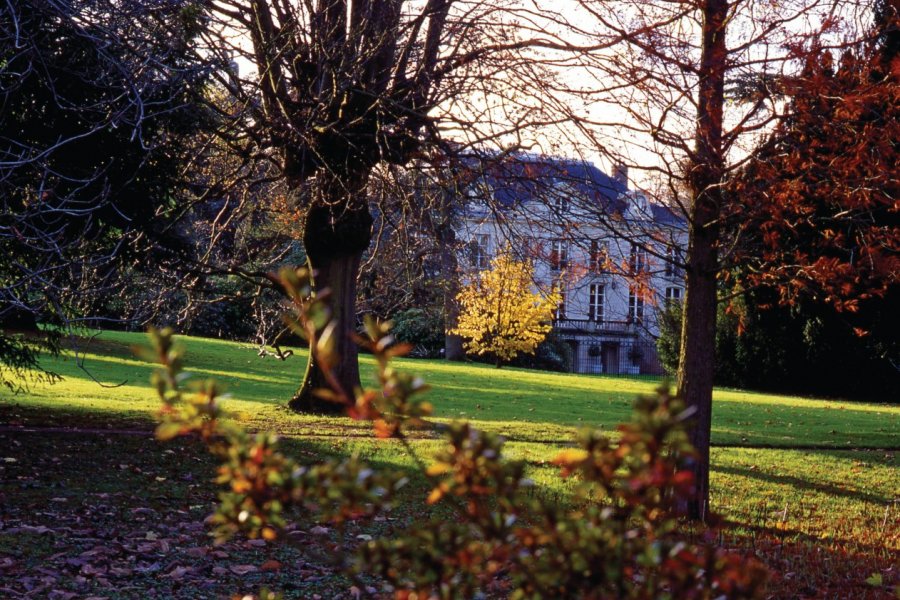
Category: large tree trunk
[697,360]
[698,335]
[335,240]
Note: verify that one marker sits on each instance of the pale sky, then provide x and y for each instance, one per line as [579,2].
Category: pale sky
[552,19]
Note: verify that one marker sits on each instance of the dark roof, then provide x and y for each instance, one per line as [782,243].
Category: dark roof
[519,178]
[665,215]
[522,177]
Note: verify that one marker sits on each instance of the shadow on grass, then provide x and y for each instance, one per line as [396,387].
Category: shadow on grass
[13,414]
[801,484]
[138,504]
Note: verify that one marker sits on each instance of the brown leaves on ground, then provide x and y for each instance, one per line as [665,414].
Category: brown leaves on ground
[100,516]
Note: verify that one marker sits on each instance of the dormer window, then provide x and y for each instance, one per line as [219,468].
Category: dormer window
[638,206]
[560,204]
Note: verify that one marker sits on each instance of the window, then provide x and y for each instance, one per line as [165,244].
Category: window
[533,248]
[599,256]
[560,204]
[560,312]
[673,294]
[637,261]
[559,254]
[635,306]
[480,248]
[673,262]
[596,302]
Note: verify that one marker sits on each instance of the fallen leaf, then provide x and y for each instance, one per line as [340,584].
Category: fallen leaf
[92,570]
[178,572]
[243,569]
[270,565]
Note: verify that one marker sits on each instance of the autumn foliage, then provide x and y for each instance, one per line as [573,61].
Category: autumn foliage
[619,537]
[820,203]
[501,316]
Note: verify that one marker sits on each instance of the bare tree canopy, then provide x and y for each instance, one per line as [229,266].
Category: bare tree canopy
[329,91]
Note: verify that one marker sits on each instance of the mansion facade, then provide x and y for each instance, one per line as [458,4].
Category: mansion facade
[615,258]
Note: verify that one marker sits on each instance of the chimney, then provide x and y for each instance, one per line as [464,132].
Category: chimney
[620,174]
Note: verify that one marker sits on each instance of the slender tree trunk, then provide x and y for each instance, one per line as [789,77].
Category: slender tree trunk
[453,344]
[445,236]
[334,245]
[707,168]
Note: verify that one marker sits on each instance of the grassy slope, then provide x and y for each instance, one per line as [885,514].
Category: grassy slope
[523,405]
[832,504]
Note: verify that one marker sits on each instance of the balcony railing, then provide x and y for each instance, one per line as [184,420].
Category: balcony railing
[589,325]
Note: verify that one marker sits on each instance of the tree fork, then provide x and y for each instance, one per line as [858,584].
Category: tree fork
[335,242]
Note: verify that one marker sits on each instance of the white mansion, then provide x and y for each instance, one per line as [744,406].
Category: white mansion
[614,256]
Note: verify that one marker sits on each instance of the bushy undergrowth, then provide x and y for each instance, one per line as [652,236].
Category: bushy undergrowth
[423,329]
[619,538]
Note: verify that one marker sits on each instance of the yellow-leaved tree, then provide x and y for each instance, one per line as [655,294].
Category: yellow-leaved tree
[501,315]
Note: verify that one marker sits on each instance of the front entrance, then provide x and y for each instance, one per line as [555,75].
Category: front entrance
[572,358]
[610,353]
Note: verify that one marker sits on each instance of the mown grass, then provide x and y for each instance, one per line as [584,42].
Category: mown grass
[810,485]
[522,404]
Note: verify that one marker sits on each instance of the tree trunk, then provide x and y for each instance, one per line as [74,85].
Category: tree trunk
[697,363]
[334,246]
[698,334]
[453,344]
[445,236]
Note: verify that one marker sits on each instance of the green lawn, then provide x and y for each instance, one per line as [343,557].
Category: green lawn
[820,506]
[522,404]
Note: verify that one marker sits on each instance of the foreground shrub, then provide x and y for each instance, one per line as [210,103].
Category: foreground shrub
[618,538]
